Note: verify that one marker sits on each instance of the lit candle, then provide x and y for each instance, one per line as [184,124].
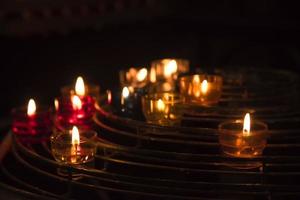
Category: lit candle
[204,87]
[134,77]
[152,75]
[168,69]
[160,105]
[77,108]
[243,138]
[142,75]
[31,121]
[246,126]
[162,108]
[203,90]
[125,94]
[31,108]
[73,146]
[81,89]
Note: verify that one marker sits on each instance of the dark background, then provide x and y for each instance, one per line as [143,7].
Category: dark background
[47,44]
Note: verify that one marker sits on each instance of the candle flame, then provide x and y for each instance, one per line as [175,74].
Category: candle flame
[160,105]
[109,96]
[204,86]
[56,104]
[125,92]
[246,128]
[31,108]
[170,68]
[79,86]
[142,74]
[75,136]
[196,79]
[152,75]
[76,103]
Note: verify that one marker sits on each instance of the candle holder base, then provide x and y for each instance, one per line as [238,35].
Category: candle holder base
[71,173]
[245,165]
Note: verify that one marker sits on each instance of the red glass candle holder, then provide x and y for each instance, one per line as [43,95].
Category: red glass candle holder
[36,125]
[67,115]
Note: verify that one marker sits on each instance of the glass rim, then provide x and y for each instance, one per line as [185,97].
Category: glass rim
[158,95]
[209,76]
[81,135]
[223,130]
[170,58]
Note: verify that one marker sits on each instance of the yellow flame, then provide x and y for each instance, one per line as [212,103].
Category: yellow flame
[31,108]
[75,136]
[196,79]
[170,68]
[160,105]
[76,102]
[246,128]
[204,86]
[152,75]
[109,96]
[56,104]
[79,86]
[125,92]
[142,74]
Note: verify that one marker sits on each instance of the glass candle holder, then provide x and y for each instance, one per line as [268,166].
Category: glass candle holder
[129,102]
[168,69]
[201,89]
[134,77]
[65,151]
[161,87]
[163,108]
[38,124]
[67,113]
[236,143]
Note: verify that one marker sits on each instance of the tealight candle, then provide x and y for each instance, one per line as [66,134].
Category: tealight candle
[162,108]
[134,77]
[130,102]
[201,89]
[32,121]
[73,147]
[76,108]
[168,69]
[243,139]
[73,111]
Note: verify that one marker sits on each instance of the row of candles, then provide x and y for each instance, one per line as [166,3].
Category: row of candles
[170,91]
[73,141]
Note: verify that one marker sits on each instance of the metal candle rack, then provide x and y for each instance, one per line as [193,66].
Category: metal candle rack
[136,160]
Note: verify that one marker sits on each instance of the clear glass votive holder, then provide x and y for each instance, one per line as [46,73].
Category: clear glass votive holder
[163,108]
[235,143]
[201,89]
[168,69]
[65,152]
